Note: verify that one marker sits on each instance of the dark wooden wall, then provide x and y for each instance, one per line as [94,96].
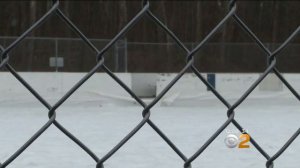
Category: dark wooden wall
[231,50]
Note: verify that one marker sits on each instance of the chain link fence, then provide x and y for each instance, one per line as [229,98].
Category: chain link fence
[189,65]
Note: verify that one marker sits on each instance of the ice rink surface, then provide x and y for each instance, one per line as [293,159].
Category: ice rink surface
[100,123]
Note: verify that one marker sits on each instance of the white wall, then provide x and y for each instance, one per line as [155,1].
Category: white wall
[55,84]
[51,83]
[231,84]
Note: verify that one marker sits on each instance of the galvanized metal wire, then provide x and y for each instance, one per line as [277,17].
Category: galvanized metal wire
[100,64]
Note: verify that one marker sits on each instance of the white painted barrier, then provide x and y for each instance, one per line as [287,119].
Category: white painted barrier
[144,84]
[52,84]
[230,85]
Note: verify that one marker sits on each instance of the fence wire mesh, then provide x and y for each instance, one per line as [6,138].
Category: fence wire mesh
[146,12]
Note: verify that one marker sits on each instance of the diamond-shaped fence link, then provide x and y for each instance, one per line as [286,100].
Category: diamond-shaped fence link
[146,12]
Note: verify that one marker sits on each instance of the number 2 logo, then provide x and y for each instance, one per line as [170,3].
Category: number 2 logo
[245,138]
[233,141]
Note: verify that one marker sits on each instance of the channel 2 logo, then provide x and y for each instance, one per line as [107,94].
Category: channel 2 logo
[233,140]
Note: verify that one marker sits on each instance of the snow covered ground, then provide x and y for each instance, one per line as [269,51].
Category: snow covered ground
[270,118]
[100,120]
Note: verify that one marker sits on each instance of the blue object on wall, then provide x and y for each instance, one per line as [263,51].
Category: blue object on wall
[211,79]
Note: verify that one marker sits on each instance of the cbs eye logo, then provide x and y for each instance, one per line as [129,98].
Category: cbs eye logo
[232,140]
